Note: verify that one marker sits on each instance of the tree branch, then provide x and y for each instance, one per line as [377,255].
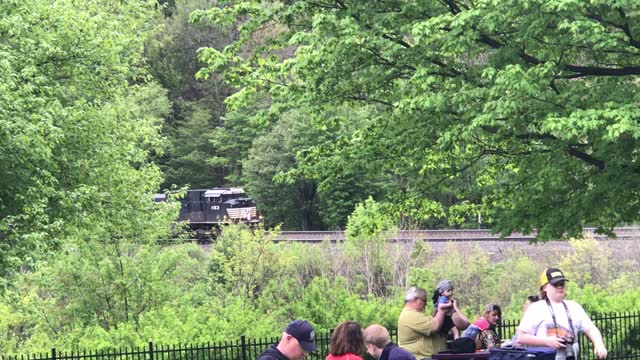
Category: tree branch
[581,71]
[624,27]
[400,42]
[453,7]
[586,158]
[385,61]
[367,99]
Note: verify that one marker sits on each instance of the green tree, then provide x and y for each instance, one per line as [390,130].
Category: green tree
[94,288]
[589,261]
[343,181]
[536,102]
[366,235]
[78,123]
[244,260]
[192,155]
[288,190]
[234,138]
[284,195]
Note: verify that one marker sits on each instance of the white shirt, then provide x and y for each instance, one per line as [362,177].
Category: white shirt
[537,320]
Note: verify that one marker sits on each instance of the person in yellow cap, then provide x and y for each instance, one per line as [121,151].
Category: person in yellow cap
[555,322]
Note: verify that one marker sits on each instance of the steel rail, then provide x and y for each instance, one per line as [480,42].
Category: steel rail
[445,235]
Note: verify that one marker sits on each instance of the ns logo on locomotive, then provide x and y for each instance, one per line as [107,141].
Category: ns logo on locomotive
[206,210]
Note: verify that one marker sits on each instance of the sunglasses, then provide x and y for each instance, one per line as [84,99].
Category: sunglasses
[559,284]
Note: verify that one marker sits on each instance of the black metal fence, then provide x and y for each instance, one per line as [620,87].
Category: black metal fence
[621,334]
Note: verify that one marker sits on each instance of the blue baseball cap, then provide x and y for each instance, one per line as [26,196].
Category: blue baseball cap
[304,333]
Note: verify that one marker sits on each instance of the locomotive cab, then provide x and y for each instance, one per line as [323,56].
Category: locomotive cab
[206,210]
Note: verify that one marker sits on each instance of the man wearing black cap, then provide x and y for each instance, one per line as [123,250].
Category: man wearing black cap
[298,339]
[555,322]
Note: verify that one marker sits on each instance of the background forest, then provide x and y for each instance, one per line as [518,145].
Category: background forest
[356,115]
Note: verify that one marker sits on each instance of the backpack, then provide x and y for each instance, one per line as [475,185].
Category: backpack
[518,353]
[463,345]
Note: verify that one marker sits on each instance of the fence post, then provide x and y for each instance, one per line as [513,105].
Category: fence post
[244,347]
[53,353]
[150,350]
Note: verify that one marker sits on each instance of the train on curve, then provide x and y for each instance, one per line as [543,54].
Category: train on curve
[207,210]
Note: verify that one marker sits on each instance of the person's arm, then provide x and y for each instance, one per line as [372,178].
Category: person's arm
[438,318]
[598,345]
[477,341]
[588,328]
[426,324]
[459,320]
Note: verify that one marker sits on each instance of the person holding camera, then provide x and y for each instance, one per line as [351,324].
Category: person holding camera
[555,322]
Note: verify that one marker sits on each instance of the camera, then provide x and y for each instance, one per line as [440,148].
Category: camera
[567,339]
[568,342]
[570,354]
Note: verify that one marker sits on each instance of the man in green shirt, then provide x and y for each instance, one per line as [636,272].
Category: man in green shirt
[418,332]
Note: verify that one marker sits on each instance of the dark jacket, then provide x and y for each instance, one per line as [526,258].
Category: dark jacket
[272,353]
[393,352]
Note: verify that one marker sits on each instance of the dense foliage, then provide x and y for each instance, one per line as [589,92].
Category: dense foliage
[197,153]
[78,122]
[525,113]
[367,116]
[105,295]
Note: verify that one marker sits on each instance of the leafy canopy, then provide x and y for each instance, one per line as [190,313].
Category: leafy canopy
[78,121]
[527,109]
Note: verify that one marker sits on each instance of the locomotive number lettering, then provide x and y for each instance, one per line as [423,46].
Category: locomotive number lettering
[215,207]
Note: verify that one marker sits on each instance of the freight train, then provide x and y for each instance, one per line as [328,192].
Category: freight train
[206,210]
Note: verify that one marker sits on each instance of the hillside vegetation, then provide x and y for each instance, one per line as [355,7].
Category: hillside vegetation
[113,295]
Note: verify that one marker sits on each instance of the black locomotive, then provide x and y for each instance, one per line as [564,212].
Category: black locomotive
[206,210]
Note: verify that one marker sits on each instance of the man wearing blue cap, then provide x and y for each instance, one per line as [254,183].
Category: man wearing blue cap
[298,339]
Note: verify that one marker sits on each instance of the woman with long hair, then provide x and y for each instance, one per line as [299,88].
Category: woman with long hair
[347,342]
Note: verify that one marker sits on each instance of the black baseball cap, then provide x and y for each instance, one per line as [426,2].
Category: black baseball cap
[552,276]
[304,333]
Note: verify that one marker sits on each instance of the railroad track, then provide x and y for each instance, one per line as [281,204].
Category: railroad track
[443,235]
